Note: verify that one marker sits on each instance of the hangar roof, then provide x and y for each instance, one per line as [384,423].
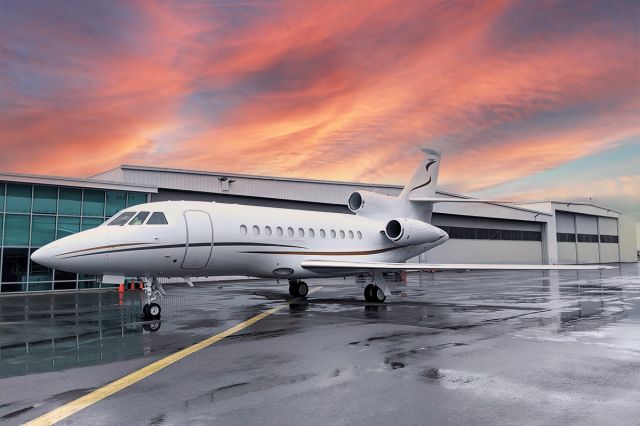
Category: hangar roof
[305,190]
[75,182]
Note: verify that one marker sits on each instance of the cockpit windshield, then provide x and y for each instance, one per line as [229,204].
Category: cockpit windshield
[122,219]
[139,219]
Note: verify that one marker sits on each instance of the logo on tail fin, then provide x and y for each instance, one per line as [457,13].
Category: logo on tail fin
[429,164]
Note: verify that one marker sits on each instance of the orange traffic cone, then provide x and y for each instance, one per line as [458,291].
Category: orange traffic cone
[121,288]
[132,286]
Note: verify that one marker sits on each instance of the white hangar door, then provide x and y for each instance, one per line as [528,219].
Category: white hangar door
[199,240]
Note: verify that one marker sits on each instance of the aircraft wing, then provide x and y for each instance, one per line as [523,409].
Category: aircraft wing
[336,265]
[456,200]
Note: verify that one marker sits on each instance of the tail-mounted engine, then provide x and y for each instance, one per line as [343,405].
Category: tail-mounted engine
[412,231]
[373,205]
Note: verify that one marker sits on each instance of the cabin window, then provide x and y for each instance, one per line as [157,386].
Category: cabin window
[290,231]
[300,232]
[323,233]
[359,235]
[157,218]
[333,233]
[279,231]
[243,229]
[312,233]
[267,231]
[351,235]
[256,230]
[122,219]
[342,234]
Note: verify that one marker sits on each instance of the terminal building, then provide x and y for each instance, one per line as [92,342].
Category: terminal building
[35,210]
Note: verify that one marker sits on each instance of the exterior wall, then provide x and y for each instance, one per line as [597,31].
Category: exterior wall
[567,253]
[588,253]
[627,239]
[486,251]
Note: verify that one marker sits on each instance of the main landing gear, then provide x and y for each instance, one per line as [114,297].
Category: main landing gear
[373,293]
[298,288]
[152,290]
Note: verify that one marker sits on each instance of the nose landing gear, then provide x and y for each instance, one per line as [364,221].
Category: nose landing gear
[152,289]
[298,288]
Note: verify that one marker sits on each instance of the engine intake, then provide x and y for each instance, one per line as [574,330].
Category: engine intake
[373,205]
[412,231]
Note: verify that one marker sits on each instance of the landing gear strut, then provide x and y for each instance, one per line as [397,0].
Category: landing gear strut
[298,288]
[373,293]
[152,290]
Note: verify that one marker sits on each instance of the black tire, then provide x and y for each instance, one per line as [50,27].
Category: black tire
[368,293]
[303,289]
[145,311]
[292,290]
[377,295]
[152,327]
[154,311]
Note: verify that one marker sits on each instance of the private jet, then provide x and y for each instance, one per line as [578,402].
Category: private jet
[201,239]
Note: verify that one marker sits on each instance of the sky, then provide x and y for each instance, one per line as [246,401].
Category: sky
[527,100]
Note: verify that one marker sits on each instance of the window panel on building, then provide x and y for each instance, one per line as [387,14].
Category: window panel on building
[45,199]
[43,230]
[116,201]
[2,185]
[93,203]
[88,281]
[1,227]
[70,201]
[16,230]
[14,265]
[18,198]
[64,280]
[39,272]
[40,286]
[67,226]
[90,223]
[135,198]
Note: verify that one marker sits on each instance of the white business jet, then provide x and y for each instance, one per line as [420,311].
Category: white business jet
[190,238]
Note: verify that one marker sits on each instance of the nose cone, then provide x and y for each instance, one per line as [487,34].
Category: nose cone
[44,255]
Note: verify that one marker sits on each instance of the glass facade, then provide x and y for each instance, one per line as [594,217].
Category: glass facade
[34,215]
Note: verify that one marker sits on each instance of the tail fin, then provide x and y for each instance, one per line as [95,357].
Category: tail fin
[424,181]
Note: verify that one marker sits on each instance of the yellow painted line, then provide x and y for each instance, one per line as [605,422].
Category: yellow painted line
[73,407]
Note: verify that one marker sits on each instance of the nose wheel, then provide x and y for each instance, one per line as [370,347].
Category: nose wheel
[151,311]
[152,290]
[298,289]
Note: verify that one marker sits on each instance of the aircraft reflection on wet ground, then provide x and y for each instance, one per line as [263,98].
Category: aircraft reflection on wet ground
[457,331]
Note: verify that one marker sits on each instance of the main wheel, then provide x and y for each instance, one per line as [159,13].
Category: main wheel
[303,289]
[367,292]
[377,295]
[153,311]
[298,289]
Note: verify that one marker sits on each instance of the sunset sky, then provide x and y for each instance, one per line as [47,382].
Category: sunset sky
[526,99]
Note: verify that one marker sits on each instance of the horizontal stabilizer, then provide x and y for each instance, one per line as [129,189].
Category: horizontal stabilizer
[337,265]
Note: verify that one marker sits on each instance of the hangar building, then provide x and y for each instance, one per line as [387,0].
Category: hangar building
[35,210]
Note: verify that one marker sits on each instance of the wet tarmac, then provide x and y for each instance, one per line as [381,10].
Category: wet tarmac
[447,348]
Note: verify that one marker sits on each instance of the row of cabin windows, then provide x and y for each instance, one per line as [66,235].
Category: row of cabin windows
[569,237]
[301,232]
[139,218]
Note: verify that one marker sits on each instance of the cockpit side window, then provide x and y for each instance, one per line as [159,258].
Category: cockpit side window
[157,218]
[122,219]
[139,219]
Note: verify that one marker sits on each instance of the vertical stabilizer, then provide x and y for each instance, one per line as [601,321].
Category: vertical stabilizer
[424,181]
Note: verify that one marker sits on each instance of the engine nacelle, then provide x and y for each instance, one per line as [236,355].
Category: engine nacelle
[370,204]
[411,231]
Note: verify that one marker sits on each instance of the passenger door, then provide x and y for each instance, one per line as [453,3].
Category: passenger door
[199,240]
